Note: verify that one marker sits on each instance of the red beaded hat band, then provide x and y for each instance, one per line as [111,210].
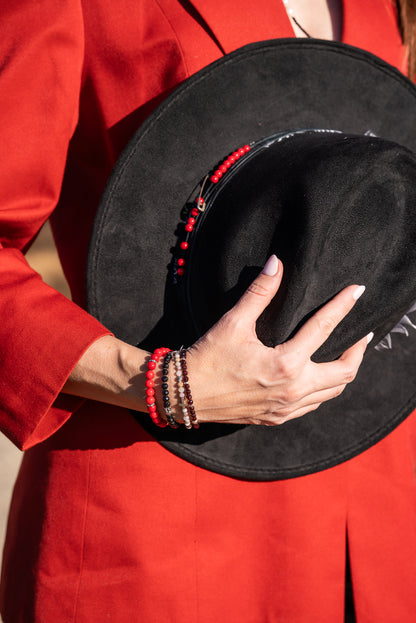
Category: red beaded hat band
[228,162]
[197,207]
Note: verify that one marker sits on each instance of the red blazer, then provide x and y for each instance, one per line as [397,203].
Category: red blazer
[106,524]
[104,70]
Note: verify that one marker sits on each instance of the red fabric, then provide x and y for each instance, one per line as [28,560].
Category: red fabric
[105,524]
[43,334]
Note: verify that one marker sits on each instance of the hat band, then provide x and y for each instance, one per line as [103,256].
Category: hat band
[198,207]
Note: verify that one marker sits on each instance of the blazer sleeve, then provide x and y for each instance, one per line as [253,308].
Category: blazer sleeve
[42,333]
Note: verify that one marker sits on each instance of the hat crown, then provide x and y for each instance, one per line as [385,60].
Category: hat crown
[319,200]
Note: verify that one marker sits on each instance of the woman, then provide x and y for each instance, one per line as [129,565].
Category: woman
[104,522]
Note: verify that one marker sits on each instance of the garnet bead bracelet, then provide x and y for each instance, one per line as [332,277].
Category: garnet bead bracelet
[187,389]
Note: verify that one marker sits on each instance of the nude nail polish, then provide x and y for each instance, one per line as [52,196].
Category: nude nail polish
[358,292]
[271,266]
[370,337]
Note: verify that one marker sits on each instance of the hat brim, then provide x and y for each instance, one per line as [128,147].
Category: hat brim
[259,90]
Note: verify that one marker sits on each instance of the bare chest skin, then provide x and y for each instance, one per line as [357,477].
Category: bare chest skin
[322,19]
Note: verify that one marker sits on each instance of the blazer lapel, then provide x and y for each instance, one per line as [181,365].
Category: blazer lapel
[373,26]
[366,24]
[235,24]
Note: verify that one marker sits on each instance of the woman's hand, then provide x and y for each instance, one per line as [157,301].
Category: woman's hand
[234,378]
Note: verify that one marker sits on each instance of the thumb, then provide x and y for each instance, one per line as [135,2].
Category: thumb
[260,292]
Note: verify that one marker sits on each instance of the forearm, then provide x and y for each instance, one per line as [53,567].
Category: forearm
[110,371]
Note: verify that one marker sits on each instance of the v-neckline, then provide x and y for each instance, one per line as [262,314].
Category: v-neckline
[289,23]
[366,24]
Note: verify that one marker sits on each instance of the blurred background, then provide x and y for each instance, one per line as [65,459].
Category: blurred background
[43,258]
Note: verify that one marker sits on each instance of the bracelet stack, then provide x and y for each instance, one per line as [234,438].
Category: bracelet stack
[182,386]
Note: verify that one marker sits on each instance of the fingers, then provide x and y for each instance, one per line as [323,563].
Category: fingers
[270,420]
[261,291]
[307,405]
[344,369]
[325,381]
[300,412]
[252,384]
[318,328]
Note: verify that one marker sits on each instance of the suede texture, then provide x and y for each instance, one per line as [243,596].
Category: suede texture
[336,209]
[329,188]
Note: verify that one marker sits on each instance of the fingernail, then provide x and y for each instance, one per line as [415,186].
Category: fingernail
[271,266]
[370,337]
[358,292]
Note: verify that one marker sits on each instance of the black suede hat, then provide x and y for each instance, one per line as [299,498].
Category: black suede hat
[303,148]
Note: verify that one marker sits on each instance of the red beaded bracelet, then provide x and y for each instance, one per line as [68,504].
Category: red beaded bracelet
[150,392]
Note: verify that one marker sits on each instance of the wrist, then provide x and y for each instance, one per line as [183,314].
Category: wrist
[110,371]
